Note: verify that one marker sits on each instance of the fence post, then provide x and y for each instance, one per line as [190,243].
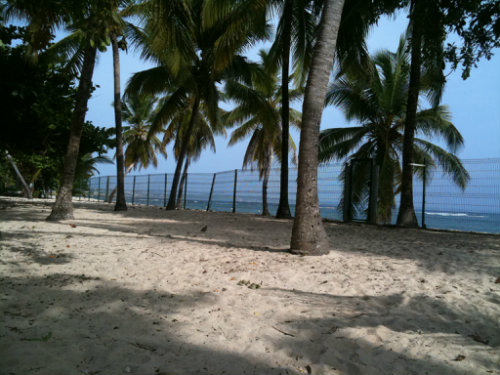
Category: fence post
[185,190]
[424,179]
[133,190]
[234,191]
[107,189]
[147,193]
[372,210]
[347,212]
[99,189]
[211,192]
[165,192]
[90,190]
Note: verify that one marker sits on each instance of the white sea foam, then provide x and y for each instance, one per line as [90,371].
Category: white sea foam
[452,214]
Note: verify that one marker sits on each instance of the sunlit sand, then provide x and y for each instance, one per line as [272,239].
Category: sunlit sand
[150,291]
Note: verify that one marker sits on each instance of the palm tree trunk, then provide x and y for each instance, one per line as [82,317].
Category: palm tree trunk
[26,188]
[63,207]
[112,194]
[181,187]
[182,154]
[308,234]
[406,215]
[265,180]
[121,204]
[283,207]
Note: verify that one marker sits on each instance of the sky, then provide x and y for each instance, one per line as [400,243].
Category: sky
[474,105]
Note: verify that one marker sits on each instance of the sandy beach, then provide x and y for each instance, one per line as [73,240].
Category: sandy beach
[150,291]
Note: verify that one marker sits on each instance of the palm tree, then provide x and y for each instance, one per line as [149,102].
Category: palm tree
[426,31]
[140,148]
[258,113]
[121,204]
[90,23]
[308,234]
[295,36]
[201,138]
[296,27]
[195,44]
[377,99]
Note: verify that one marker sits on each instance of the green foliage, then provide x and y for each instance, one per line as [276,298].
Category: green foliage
[141,149]
[38,99]
[377,99]
[257,112]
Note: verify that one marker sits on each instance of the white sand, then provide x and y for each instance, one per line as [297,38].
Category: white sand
[148,292]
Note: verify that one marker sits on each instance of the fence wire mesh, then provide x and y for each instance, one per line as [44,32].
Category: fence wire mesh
[476,208]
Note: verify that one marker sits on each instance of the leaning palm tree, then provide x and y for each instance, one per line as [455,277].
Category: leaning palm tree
[201,138]
[91,23]
[308,234]
[377,99]
[258,112]
[195,44]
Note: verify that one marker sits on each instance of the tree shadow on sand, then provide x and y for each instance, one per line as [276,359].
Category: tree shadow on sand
[67,323]
[454,251]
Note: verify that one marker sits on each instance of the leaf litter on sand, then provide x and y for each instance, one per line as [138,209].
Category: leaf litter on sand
[249,284]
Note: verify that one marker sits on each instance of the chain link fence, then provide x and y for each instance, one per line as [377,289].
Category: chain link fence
[443,206]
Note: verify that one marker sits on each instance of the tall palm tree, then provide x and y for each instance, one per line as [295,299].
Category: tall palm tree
[91,22]
[294,40]
[296,27]
[195,44]
[377,99]
[258,112]
[308,234]
[116,45]
[426,31]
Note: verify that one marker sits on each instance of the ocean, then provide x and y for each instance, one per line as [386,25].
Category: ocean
[475,209]
[461,221]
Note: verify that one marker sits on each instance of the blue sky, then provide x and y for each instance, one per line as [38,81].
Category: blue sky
[473,103]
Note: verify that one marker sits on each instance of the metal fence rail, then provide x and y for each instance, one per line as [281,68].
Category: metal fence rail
[477,208]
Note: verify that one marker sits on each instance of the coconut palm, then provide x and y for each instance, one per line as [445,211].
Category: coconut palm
[200,138]
[296,27]
[195,44]
[258,109]
[377,99]
[91,23]
[294,40]
[308,234]
[141,149]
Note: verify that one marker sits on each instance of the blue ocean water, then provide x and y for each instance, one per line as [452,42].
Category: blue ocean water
[462,221]
[447,206]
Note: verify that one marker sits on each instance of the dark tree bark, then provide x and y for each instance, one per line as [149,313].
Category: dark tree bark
[172,200]
[181,185]
[308,234]
[283,207]
[63,207]
[121,204]
[265,180]
[406,216]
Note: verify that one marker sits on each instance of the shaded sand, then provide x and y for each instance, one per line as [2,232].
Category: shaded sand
[147,292]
